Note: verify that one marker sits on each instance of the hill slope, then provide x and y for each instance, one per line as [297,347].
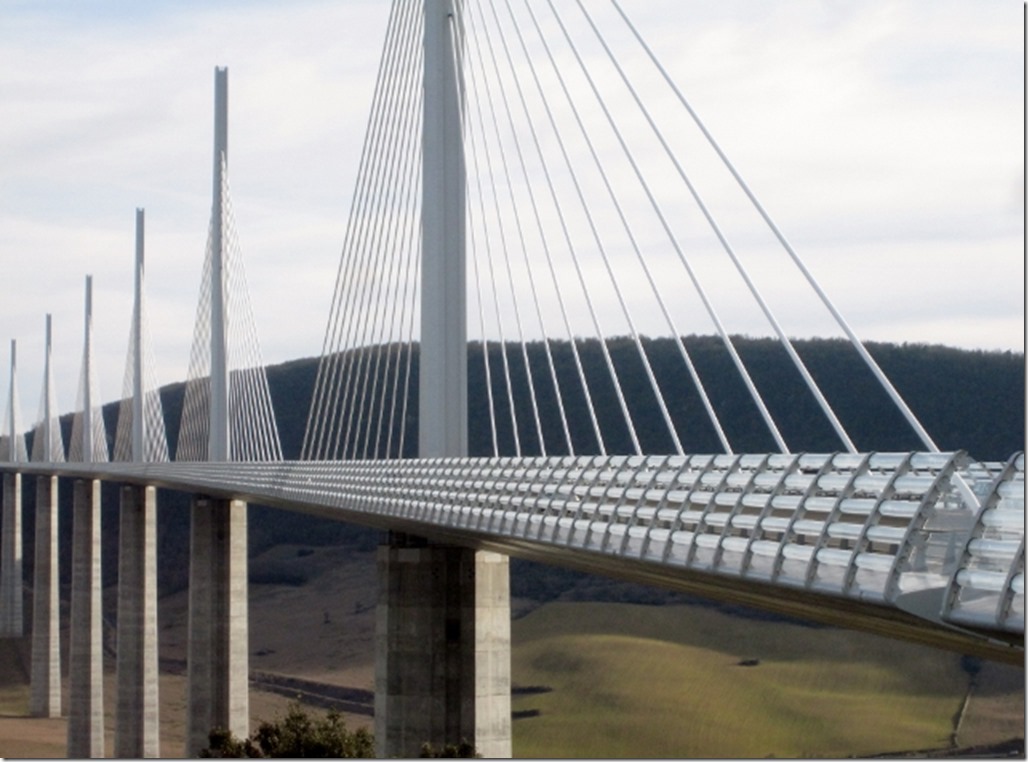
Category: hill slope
[694,682]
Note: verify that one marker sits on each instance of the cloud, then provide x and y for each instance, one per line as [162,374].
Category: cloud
[884,139]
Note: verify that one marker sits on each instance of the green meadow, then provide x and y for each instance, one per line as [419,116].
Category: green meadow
[691,681]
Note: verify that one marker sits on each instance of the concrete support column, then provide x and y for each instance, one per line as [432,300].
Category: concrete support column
[12,620]
[137,721]
[86,667]
[45,697]
[219,663]
[442,662]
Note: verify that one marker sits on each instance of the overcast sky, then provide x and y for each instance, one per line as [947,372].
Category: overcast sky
[886,138]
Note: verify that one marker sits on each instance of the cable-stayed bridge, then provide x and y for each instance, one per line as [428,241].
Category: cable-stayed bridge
[509,193]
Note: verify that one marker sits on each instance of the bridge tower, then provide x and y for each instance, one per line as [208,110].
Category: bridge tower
[137,728]
[12,617]
[47,446]
[443,621]
[85,668]
[218,693]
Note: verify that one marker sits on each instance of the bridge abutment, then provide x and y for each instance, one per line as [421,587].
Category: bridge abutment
[12,619]
[45,678]
[442,663]
[85,668]
[218,669]
[137,729]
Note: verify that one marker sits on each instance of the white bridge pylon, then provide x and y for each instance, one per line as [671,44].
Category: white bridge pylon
[226,414]
[599,211]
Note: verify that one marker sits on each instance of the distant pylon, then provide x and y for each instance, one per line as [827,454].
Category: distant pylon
[227,413]
[47,440]
[47,446]
[141,436]
[85,632]
[12,424]
[12,449]
[88,432]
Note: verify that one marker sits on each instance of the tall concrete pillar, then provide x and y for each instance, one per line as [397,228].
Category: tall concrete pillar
[219,658]
[12,620]
[218,692]
[442,663]
[45,695]
[137,719]
[85,667]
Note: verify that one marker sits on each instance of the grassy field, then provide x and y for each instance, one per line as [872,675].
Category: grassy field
[642,681]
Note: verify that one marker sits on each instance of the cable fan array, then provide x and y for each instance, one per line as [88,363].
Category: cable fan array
[155,440]
[12,441]
[253,432]
[586,234]
[47,440]
[361,405]
[147,434]
[88,432]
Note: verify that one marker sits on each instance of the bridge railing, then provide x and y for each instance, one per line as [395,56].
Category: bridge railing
[988,585]
[870,526]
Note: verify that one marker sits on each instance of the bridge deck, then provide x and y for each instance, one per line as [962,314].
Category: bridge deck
[882,541]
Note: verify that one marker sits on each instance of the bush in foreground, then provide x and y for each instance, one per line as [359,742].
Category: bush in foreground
[463,750]
[296,735]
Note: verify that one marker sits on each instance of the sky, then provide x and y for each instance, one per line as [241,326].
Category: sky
[885,138]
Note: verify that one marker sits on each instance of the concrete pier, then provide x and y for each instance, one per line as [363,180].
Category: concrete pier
[45,696]
[442,661]
[12,618]
[219,658]
[137,728]
[85,665]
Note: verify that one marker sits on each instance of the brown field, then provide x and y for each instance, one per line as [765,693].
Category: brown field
[23,736]
[320,631]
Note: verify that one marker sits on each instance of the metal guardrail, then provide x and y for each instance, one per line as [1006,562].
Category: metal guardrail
[987,585]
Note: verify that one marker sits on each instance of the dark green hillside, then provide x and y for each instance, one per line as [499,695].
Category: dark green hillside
[971,400]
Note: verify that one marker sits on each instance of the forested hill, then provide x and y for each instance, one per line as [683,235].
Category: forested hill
[967,400]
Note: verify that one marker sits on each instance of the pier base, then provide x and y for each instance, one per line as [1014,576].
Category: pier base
[218,670]
[45,673]
[442,648]
[137,728]
[12,618]
[85,665]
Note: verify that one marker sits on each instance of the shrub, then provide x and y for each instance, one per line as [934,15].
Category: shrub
[297,735]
